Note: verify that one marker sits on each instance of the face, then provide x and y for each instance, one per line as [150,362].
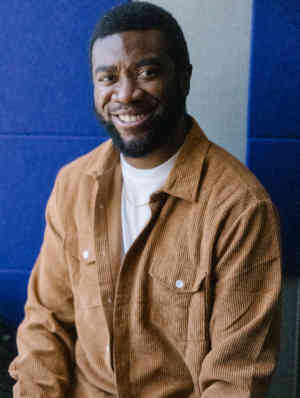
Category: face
[137,92]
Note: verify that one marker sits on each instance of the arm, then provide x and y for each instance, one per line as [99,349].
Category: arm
[45,338]
[244,323]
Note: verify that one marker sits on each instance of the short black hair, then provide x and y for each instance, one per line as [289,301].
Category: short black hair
[142,15]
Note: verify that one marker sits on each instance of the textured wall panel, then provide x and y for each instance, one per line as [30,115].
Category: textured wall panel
[277,164]
[44,68]
[275,70]
[12,295]
[274,117]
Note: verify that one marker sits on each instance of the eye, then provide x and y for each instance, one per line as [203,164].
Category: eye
[106,78]
[148,73]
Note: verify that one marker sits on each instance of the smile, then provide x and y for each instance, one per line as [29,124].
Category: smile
[131,120]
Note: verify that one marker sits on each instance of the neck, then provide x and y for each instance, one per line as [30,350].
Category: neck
[164,153]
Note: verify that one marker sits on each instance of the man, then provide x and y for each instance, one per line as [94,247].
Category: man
[159,274]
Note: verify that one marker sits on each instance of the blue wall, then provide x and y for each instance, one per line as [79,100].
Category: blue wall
[274,114]
[46,120]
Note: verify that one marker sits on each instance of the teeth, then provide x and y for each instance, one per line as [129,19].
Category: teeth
[131,118]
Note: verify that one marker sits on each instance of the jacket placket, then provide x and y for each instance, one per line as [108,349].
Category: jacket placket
[126,293]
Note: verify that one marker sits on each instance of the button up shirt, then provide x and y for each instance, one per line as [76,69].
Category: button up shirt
[191,310]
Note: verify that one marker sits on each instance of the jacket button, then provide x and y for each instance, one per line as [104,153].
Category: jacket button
[179,284]
[85,254]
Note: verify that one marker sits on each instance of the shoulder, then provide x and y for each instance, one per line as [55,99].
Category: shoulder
[222,177]
[229,193]
[86,164]
[240,215]
[75,184]
[231,182]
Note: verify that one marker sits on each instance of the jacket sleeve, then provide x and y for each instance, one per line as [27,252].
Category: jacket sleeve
[244,323]
[46,336]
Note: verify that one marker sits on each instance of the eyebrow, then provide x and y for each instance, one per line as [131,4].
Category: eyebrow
[103,68]
[149,61]
[143,62]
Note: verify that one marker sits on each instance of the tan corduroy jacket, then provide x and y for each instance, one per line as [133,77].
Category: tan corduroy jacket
[191,310]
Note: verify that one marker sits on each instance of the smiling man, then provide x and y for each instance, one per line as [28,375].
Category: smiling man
[140,94]
[159,274]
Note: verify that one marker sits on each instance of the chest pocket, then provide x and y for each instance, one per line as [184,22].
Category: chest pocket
[84,272]
[178,303]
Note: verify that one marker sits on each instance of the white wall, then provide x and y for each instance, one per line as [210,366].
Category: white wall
[218,35]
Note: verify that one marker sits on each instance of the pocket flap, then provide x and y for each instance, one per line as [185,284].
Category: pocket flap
[178,275]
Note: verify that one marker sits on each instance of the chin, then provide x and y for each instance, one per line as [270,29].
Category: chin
[135,147]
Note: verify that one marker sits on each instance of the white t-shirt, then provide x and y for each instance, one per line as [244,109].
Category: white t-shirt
[138,186]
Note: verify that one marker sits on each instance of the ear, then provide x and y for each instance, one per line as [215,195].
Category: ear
[185,81]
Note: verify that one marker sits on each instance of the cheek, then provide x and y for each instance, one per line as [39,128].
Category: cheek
[156,90]
[164,91]
[100,102]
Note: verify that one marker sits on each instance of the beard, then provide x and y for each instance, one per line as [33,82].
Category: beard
[161,131]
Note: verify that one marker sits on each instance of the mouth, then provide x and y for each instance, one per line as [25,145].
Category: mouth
[132,120]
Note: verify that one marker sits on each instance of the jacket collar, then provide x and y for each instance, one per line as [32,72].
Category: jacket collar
[105,159]
[184,179]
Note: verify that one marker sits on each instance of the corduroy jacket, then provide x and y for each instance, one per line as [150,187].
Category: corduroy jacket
[190,311]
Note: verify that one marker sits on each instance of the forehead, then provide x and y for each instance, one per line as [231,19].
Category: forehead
[132,45]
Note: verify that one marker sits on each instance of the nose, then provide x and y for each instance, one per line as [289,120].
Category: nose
[127,90]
